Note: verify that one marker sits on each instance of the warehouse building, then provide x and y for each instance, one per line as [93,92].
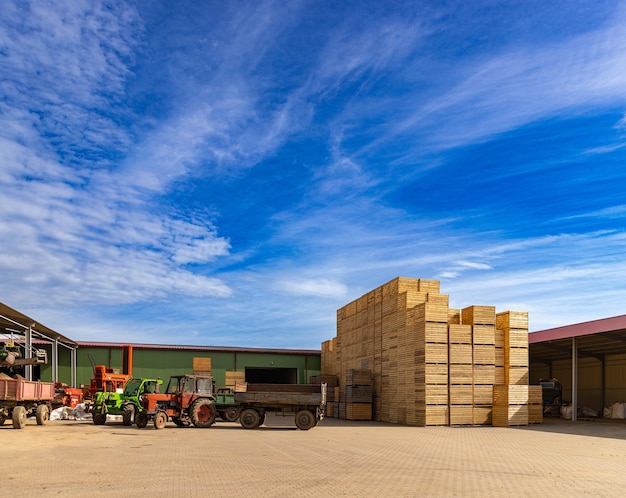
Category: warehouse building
[72,362]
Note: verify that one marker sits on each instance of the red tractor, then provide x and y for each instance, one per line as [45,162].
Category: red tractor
[188,400]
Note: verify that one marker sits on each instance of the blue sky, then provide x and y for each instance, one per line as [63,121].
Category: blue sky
[232,173]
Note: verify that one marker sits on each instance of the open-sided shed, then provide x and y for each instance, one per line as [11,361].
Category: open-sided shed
[21,329]
[588,359]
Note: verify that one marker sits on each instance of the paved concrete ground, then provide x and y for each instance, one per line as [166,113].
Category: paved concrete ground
[336,458]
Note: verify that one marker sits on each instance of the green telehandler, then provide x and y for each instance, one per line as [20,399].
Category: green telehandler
[126,403]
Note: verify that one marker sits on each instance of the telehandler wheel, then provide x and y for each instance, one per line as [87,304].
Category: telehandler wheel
[19,417]
[99,418]
[141,420]
[249,419]
[159,420]
[202,413]
[42,414]
[230,414]
[128,414]
[305,420]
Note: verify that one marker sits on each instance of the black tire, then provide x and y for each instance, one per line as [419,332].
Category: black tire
[42,414]
[141,420]
[181,423]
[202,413]
[2,419]
[305,420]
[19,417]
[230,414]
[99,418]
[128,414]
[159,420]
[249,418]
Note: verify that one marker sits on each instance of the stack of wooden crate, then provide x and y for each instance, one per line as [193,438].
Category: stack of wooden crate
[358,394]
[483,322]
[201,365]
[461,374]
[535,405]
[511,398]
[429,332]
[431,365]
[232,379]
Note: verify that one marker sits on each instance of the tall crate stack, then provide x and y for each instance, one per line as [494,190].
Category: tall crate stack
[512,398]
[429,331]
[358,394]
[483,322]
[460,374]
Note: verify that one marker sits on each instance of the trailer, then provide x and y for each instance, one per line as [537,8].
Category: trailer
[21,398]
[306,401]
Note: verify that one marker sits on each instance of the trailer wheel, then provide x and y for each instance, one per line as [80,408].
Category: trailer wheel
[42,414]
[202,413]
[19,417]
[128,414]
[230,414]
[305,420]
[159,420]
[2,419]
[99,418]
[249,419]
[141,420]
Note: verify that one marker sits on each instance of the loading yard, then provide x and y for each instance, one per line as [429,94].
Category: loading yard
[338,458]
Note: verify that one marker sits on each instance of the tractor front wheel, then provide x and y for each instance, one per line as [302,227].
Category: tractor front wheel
[180,422]
[249,419]
[202,413]
[42,414]
[128,414]
[159,420]
[141,420]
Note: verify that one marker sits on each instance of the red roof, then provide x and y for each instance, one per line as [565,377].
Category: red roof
[579,329]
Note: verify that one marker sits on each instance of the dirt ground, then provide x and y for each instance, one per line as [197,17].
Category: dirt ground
[336,458]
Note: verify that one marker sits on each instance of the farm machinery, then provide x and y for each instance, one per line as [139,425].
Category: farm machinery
[126,403]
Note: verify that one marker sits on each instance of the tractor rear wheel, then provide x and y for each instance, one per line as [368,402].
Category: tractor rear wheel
[305,420]
[141,420]
[249,419]
[202,413]
[99,418]
[128,414]
[159,420]
[19,417]
[42,414]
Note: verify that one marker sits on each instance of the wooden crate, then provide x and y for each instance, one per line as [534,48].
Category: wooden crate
[484,374]
[512,319]
[431,394]
[459,334]
[484,334]
[429,415]
[481,415]
[483,395]
[431,373]
[430,332]
[461,394]
[454,316]
[484,354]
[535,413]
[509,415]
[232,378]
[535,395]
[516,357]
[479,315]
[461,415]
[429,312]
[202,365]
[358,411]
[461,374]
[515,338]
[461,354]
[510,395]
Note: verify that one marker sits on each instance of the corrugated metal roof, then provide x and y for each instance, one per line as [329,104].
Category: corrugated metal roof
[579,329]
[594,339]
[13,319]
[214,349]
